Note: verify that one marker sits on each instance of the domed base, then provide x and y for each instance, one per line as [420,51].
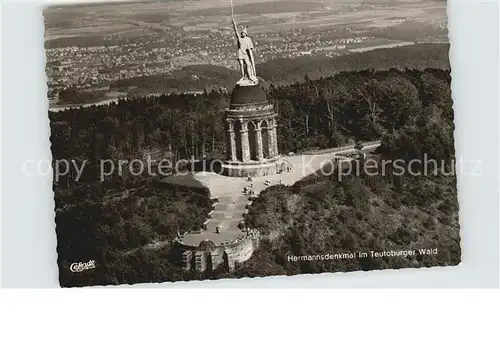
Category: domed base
[251,170]
[248,94]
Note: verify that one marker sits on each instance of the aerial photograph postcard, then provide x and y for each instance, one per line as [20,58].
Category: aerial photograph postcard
[201,140]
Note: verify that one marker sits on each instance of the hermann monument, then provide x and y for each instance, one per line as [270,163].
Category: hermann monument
[250,120]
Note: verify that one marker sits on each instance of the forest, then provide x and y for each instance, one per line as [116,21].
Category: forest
[358,214]
[409,110]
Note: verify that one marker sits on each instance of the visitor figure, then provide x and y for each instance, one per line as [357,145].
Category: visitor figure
[245,55]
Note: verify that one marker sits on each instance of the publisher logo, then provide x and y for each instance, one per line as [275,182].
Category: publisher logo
[78,267]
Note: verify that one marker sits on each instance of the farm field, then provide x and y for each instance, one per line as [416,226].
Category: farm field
[136,18]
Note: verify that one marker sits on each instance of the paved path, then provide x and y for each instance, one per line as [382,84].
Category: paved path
[228,212]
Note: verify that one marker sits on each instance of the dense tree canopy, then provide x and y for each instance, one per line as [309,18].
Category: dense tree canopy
[410,111]
[363,105]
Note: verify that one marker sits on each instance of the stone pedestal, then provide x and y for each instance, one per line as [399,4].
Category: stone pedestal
[253,118]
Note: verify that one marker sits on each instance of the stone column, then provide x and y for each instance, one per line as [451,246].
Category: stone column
[275,139]
[232,142]
[245,145]
[270,139]
[260,150]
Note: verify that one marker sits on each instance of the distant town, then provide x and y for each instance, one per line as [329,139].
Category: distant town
[87,65]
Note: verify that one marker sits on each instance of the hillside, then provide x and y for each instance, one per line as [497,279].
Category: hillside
[359,214]
[421,56]
[287,71]
[414,117]
[189,78]
[106,229]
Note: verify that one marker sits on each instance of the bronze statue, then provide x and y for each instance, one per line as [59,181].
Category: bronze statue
[245,56]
